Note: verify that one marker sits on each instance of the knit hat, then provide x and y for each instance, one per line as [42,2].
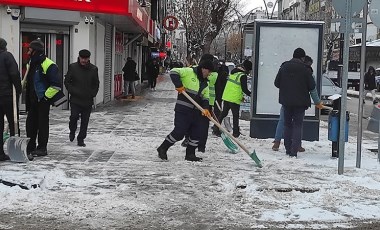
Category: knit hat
[207,57]
[84,53]
[206,64]
[247,65]
[299,53]
[37,45]
[3,44]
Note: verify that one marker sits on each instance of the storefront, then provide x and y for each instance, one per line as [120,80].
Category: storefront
[67,26]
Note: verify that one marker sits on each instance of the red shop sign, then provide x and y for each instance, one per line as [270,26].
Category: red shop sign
[96,6]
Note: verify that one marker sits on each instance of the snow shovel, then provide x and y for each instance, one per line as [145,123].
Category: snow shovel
[252,155]
[16,146]
[5,134]
[226,140]
[226,120]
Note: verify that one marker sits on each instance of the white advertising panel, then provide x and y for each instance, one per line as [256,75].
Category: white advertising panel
[275,46]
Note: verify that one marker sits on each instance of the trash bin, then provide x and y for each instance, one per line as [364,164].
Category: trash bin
[333,128]
[373,123]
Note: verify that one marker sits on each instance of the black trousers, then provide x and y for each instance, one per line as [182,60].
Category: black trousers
[152,82]
[235,108]
[84,113]
[293,123]
[186,123]
[6,108]
[37,124]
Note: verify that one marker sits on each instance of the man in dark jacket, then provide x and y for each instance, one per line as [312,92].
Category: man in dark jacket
[153,69]
[370,84]
[233,95]
[43,88]
[82,82]
[295,81]
[129,76]
[9,78]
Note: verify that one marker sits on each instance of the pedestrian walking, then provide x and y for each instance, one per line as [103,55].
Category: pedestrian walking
[187,118]
[370,84]
[82,82]
[43,88]
[9,78]
[129,76]
[220,84]
[294,80]
[233,95]
[153,69]
[280,125]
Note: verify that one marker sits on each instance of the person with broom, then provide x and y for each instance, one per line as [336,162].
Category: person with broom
[187,118]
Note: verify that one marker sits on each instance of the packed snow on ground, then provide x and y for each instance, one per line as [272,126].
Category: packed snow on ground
[118,181]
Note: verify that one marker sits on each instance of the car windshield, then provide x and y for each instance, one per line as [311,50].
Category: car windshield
[327,82]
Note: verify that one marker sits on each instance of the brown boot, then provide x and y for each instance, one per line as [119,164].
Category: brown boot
[276,145]
[301,149]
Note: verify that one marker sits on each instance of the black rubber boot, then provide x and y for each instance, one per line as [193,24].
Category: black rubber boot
[190,154]
[4,157]
[81,143]
[236,132]
[162,150]
[216,131]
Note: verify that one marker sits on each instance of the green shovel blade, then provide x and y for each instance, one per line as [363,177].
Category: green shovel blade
[5,136]
[256,159]
[230,145]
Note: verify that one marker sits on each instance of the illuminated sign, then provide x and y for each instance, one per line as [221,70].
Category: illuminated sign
[100,6]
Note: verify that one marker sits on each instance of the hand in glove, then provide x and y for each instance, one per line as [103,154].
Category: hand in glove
[206,113]
[319,105]
[180,89]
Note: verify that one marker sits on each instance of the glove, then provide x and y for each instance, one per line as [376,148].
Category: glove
[180,89]
[206,113]
[319,105]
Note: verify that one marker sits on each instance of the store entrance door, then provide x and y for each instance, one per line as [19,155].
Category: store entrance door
[56,48]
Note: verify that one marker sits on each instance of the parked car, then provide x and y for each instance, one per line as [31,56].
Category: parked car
[230,66]
[328,89]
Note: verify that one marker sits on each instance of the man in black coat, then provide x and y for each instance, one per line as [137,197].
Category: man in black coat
[129,76]
[295,81]
[9,77]
[82,82]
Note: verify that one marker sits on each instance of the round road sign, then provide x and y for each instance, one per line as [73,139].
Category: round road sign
[170,23]
[340,6]
[374,12]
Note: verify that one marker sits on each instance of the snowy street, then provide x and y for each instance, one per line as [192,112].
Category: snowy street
[118,182]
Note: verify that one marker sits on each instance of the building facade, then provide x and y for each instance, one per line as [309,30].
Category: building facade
[111,31]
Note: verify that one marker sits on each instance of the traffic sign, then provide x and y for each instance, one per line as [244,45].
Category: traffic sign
[170,23]
[374,13]
[340,6]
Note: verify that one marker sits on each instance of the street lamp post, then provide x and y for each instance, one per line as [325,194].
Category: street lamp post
[240,18]
[272,5]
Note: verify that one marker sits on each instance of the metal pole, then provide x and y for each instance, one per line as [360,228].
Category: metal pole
[378,143]
[361,86]
[343,106]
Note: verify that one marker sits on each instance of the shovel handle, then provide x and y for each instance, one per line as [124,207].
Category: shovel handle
[216,123]
[217,104]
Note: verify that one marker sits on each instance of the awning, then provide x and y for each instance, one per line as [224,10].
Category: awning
[126,15]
